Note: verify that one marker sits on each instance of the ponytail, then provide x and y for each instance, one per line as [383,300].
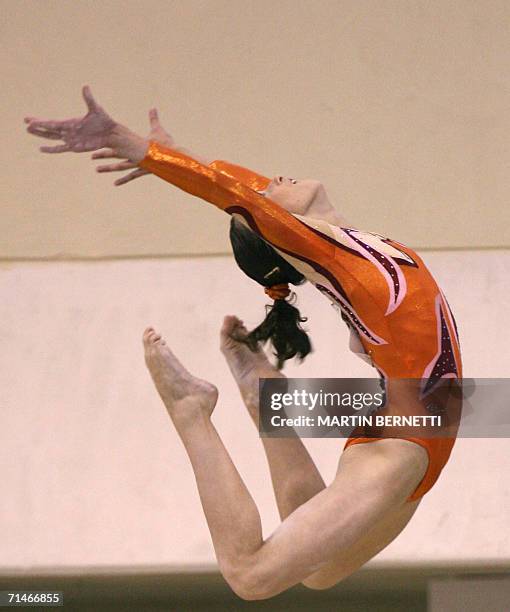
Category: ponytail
[282,324]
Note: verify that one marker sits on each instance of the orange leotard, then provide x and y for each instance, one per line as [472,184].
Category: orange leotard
[385,293]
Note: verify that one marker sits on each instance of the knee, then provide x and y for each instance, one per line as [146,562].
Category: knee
[248,582]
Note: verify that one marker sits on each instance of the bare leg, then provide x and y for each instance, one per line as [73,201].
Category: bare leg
[294,475]
[365,492]
[235,527]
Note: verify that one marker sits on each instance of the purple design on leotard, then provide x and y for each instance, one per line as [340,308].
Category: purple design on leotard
[389,269]
[386,263]
[443,365]
[409,261]
[452,318]
[399,247]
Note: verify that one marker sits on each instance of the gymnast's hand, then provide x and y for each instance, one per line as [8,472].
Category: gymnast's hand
[157,133]
[96,130]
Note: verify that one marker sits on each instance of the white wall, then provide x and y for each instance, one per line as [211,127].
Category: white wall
[92,472]
[402,109]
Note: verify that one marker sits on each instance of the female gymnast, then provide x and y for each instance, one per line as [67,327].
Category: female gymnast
[284,231]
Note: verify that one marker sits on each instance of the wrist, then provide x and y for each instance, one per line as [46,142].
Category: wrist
[128,144]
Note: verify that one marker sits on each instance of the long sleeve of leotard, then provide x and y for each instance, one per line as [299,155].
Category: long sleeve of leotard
[247,177]
[232,189]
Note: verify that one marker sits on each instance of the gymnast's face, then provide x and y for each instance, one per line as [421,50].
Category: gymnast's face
[301,197]
[294,195]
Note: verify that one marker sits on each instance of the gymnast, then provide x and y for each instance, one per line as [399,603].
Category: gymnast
[285,231]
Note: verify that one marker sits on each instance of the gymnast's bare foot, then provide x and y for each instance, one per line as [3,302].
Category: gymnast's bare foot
[184,396]
[246,366]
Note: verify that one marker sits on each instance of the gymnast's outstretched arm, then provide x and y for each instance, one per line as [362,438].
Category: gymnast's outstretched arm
[97,130]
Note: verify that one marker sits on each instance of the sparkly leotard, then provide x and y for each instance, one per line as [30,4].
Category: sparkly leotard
[384,291]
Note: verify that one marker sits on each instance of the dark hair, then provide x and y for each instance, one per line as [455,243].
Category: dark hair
[259,260]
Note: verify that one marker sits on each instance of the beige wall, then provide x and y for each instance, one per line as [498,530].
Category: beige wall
[400,107]
[92,471]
